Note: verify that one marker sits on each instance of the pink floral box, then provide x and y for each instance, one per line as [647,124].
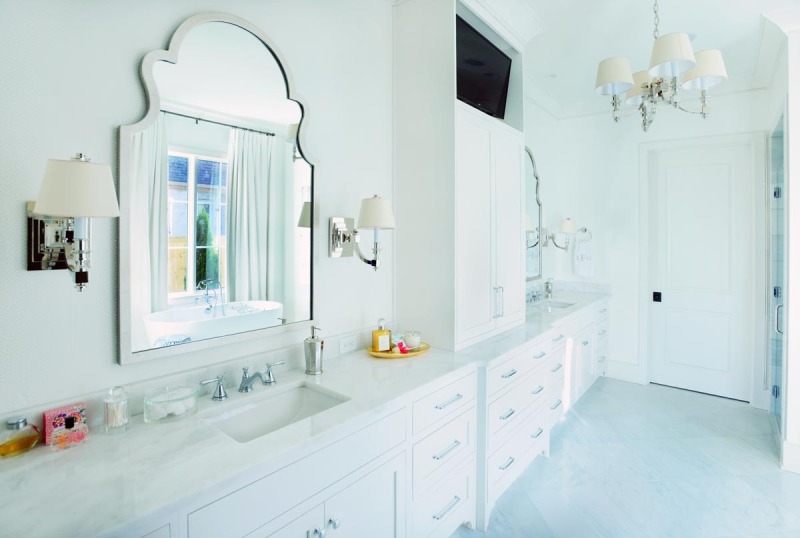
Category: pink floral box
[54,418]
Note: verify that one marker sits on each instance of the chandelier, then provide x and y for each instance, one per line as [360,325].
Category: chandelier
[673,66]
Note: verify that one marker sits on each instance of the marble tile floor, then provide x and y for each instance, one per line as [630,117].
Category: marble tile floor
[646,461]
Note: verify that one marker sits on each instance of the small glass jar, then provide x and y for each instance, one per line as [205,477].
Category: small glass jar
[18,438]
[116,411]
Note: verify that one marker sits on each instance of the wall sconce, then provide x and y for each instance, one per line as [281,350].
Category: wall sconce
[59,221]
[567,227]
[375,213]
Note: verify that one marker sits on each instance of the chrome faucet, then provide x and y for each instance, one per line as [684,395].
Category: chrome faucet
[211,286]
[266,377]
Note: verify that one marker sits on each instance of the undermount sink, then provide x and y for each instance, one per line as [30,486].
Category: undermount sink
[253,419]
[550,305]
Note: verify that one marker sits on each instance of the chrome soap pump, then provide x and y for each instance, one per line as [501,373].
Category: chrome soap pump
[313,347]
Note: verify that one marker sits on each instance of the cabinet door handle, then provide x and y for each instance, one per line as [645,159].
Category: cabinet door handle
[507,464]
[602,333]
[602,358]
[555,405]
[537,433]
[508,414]
[321,533]
[557,368]
[441,455]
[444,511]
[502,301]
[777,319]
[334,523]
[585,343]
[539,355]
[449,402]
[537,390]
[559,337]
[509,373]
[496,313]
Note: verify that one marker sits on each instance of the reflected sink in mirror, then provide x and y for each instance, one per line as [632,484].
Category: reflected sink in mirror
[252,419]
[550,306]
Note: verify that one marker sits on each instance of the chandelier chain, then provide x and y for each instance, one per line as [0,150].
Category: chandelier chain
[656,20]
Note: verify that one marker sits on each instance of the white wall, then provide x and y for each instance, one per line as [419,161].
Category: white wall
[590,172]
[71,77]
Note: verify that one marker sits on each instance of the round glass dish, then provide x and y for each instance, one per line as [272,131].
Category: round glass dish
[169,403]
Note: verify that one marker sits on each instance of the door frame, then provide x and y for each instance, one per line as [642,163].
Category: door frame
[757,141]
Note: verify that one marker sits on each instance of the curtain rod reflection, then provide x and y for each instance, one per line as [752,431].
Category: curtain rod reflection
[217,123]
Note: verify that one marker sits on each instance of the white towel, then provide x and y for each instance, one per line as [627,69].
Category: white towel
[584,263]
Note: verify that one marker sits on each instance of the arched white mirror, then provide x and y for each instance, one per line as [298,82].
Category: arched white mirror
[215,194]
[533,220]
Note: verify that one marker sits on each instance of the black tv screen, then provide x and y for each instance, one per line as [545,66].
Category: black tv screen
[482,71]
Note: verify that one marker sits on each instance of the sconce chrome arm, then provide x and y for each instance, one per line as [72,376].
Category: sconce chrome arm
[552,237]
[375,261]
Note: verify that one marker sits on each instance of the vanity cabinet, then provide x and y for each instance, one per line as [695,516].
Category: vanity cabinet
[589,358]
[490,263]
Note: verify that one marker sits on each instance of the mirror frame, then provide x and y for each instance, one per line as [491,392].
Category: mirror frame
[170,55]
[539,203]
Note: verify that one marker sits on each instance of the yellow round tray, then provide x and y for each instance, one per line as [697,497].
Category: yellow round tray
[423,347]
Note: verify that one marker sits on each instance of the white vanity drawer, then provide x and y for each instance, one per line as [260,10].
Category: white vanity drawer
[440,511]
[507,462]
[556,368]
[554,408]
[234,514]
[601,334]
[443,402]
[503,375]
[507,409]
[443,449]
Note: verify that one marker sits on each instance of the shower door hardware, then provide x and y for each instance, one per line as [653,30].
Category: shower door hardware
[777,292]
[777,319]
[777,193]
[776,391]
[656,296]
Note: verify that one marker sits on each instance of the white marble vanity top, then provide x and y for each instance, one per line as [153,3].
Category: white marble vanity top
[110,481]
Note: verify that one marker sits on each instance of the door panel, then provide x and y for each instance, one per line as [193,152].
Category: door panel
[702,261]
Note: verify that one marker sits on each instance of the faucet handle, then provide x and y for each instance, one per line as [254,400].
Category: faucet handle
[245,369]
[270,380]
[219,390]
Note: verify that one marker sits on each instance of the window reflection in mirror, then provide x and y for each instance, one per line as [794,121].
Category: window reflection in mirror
[216,183]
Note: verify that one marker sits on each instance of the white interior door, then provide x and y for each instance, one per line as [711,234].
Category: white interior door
[701,253]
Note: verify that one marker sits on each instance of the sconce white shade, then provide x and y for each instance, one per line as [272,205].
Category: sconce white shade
[376,212]
[634,96]
[613,76]
[77,189]
[672,55]
[567,226]
[709,71]
[305,216]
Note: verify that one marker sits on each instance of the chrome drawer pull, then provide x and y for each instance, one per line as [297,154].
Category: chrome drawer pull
[539,355]
[507,464]
[538,433]
[602,359]
[603,311]
[447,508]
[334,523]
[557,368]
[585,343]
[602,333]
[449,402]
[537,390]
[557,338]
[454,445]
[507,415]
[555,405]
[509,374]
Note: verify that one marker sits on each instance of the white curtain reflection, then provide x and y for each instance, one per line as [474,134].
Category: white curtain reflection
[149,169]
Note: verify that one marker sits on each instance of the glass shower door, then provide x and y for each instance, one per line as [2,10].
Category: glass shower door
[777,243]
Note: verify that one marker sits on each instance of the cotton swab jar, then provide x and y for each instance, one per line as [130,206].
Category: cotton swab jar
[116,411]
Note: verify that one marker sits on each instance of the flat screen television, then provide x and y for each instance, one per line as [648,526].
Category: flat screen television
[482,71]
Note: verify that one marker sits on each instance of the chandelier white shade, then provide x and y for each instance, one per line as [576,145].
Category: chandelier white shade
[673,66]
[709,71]
[672,55]
[613,76]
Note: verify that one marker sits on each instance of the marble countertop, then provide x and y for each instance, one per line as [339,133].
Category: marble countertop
[113,480]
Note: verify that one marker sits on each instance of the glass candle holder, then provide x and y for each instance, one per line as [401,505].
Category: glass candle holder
[116,411]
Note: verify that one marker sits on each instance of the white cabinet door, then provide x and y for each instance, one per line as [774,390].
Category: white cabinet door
[507,153]
[373,506]
[476,294]
[584,349]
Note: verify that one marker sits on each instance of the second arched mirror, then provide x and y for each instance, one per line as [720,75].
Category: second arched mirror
[533,220]
[215,235]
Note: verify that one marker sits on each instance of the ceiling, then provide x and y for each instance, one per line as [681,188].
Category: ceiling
[561,61]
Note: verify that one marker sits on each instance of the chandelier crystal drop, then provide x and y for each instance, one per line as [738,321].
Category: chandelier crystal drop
[673,66]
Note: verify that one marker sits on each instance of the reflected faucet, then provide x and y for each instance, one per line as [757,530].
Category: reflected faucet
[211,285]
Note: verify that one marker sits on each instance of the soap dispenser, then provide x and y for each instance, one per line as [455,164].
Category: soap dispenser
[313,347]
